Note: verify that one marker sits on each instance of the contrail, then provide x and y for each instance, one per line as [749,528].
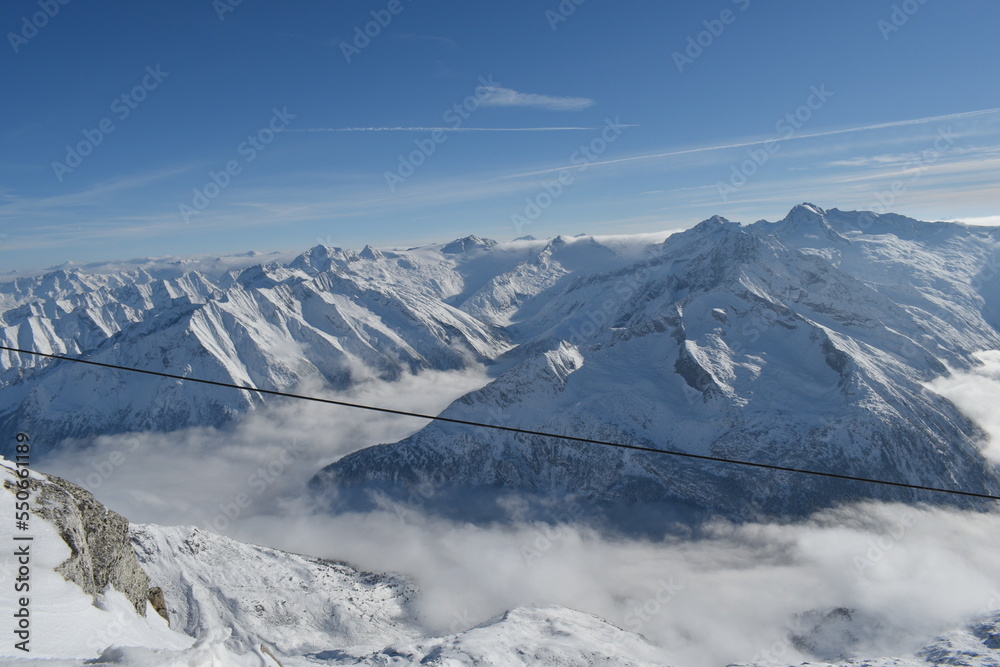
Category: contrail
[705,149]
[444,129]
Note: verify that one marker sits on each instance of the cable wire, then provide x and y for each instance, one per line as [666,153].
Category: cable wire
[512,429]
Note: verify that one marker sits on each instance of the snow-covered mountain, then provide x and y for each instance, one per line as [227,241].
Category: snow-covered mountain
[313,610]
[293,603]
[806,343]
[334,314]
[803,343]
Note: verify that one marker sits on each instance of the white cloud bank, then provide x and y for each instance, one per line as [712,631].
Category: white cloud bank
[723,593]
[977,394]
[985,221]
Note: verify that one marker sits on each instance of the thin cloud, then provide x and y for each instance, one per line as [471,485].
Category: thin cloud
[739,590]
[755,142]
[874,160]
[975,392]
[495,96]
[94,194]
[886,159]
[443,129]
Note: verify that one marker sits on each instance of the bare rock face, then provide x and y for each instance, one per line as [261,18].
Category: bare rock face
[101,552]
[159,602]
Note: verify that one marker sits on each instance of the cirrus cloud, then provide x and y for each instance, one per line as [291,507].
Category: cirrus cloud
[496,96]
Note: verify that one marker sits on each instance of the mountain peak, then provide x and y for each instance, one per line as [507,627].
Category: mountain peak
[804,224]
[466,244]
[712,225]
[806,210]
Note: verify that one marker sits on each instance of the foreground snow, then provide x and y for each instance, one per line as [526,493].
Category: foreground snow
[294,603]
[238,604]
[526,636]
[65,621]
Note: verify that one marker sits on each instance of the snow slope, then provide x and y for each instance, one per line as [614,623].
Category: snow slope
[807,342]
[330,314]
[803,343]
[295,604]
[525,636]
[66,622]
[226,600]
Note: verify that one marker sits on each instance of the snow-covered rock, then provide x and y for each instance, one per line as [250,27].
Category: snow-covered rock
[101,554]
[85,590]
[805,343]
[293,603]
[523,636]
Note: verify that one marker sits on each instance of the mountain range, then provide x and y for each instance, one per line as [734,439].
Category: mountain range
[807,342]
[810,342]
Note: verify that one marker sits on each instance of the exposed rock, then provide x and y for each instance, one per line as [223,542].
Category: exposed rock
[159,602]
[101,553]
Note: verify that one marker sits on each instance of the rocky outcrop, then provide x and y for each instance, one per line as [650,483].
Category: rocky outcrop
[101,553]
[159,602]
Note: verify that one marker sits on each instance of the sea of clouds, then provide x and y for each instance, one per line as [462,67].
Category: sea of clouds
[721,592]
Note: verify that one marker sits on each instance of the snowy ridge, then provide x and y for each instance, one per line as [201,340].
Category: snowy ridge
[294,603]
[270,325]
[803,343]
[525,636]
[806,342]
[329,313]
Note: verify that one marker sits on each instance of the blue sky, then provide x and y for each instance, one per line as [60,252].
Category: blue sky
[146,129]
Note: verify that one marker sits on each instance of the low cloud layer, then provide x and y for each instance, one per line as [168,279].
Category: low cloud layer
[977,394]
[723,593]
[195,476]
[732,593]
